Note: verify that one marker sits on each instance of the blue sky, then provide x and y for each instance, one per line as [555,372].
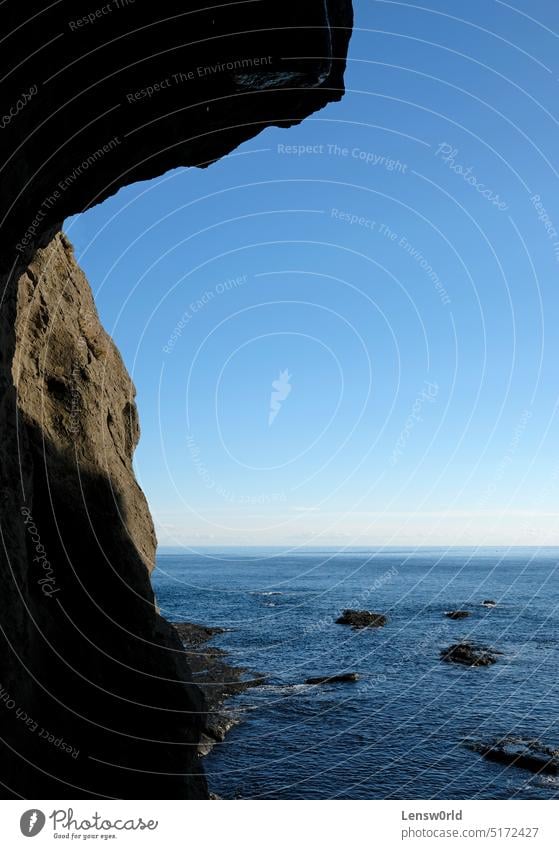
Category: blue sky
[390,264]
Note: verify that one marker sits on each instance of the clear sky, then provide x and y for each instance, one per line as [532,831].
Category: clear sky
[354,340]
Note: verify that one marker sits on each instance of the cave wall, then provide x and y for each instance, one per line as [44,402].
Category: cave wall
[96,698]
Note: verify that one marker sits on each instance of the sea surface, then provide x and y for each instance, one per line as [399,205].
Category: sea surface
[399,731]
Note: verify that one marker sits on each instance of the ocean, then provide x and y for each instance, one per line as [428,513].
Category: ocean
[400,731]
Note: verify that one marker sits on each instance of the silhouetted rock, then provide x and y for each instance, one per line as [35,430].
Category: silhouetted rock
[344,678]
[469,654]
[362,619]
[262,64]
[517,751]
[457,614]
[489,603]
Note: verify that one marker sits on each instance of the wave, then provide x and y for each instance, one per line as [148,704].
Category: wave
[283,689]
[260,592]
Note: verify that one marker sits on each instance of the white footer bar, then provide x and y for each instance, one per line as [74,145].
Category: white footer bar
[247,824]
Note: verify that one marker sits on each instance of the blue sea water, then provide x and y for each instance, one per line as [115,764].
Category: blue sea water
[399,731]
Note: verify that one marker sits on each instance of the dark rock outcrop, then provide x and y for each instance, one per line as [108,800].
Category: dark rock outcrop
[489,603]
[470,654]
[517,751]
[362,619]
[217,679]
[96,697]
[457,614]
[343,678]
[196,635]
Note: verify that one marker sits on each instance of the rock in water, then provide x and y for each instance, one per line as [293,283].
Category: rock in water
[362,619]
[344,678]
[520,752]
[469,654]
[196,635]
[457,614]
[489,603]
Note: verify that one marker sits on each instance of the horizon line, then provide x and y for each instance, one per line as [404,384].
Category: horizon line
[379,546]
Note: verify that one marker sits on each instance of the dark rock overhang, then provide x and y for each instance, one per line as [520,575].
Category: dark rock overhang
[99,95]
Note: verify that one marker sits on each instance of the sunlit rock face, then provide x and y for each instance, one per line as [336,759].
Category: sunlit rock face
[118,687]
[96,697]
[73,388]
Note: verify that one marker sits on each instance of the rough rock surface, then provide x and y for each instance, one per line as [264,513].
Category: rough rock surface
[470,654]
[520,752]
[362,619]
[84,656]
[114,676]
[217,679]
[73,387]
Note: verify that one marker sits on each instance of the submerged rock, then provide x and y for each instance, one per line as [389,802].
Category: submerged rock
[469,654]
[345,677]
[517,751]
[457,614]
[362,619]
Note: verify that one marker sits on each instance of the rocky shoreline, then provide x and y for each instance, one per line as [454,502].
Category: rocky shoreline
[217,679]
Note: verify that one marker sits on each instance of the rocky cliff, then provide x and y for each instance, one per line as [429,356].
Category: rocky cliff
[115,684]
[96,698]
